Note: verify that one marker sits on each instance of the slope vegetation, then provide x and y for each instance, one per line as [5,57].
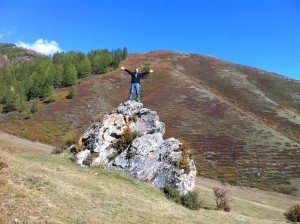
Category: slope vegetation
[37,187]
[244,123]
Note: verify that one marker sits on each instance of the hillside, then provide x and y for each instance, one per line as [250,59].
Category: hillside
[37,187]
[11,54]
[244,123]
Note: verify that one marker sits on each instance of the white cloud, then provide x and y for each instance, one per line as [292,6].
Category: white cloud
[42,46]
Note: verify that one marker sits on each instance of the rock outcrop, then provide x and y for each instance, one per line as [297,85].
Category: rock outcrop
[147,157]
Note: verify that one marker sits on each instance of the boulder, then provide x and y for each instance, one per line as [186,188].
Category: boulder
[148,157]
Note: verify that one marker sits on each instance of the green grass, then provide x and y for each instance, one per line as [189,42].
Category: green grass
[50,188]
[39,187]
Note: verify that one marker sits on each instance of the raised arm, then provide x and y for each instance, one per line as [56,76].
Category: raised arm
[126,70]
[145,73]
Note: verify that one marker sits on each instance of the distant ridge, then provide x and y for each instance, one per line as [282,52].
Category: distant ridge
[12,54]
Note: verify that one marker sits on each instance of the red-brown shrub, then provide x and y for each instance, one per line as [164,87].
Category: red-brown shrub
[293,214]
[222,199]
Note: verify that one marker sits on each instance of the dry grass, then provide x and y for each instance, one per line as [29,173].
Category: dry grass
[50,189]
[37,187]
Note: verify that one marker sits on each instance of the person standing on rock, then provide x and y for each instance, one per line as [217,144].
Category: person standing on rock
[135,82]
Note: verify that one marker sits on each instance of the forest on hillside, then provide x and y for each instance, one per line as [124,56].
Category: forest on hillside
[39,78]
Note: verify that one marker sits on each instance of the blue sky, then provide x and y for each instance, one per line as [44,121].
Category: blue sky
[260,33]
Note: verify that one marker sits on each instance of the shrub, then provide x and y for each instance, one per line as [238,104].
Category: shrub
[27,113]
[112,156]
[130,155]
[133,118]
[72,92]
[57,150]
[99,118]
[70,139]
[2,164]
[190,200]
[89,159]
[34,107]
[293,214]
[125,140]
[172,193]
[146,68]
[182,162]
[222,199]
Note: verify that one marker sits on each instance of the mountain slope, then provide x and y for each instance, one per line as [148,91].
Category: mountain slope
[37,187]
[11,54]
[244,123]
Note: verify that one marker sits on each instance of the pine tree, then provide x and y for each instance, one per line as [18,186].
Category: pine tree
[10,100]
[69,75]
[72,92]
[83,66]
[56,76]
[100,60]
[34,107]
[125,53]
[27,113]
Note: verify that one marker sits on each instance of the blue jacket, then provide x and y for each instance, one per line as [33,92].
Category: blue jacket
[136,77]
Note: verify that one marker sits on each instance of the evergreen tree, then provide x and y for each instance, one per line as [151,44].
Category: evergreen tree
[116,61]
[83,66]
[58,58]
[34,107]
[69,75]
[72,92]
[100,60]
[125,53]
[56,76]
[46,90]
[36,85]
[19,103]
[146,68]
[10,100]
[20,97]
[27,113]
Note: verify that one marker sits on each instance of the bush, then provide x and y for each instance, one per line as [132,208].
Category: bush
[27,114]
[89,159]
[293,214]
[190,200]
[112,156]
[222,199]
[70,139]
[172,193]
[72,92]
[125,140]
[145,68]
[182,162]
[2,164]
[34,107]
[99,118]
[57,150]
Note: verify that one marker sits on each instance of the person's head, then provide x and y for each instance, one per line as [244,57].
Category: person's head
[137,70]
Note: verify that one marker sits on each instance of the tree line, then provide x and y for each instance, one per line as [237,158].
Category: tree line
[38,79]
